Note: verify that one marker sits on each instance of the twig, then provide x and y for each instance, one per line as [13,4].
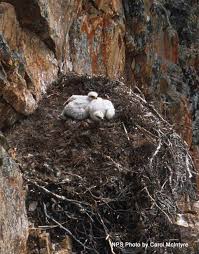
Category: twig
[141,93]
[155,153]
[145,188]
[158,114]
[140,98]
[65,229]
[188,165]
[79,203]
[125,130]
[107,234]
[52,94]
[149,134]
[116,164]
[45,227]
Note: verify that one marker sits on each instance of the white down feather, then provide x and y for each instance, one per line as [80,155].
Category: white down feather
[100,109]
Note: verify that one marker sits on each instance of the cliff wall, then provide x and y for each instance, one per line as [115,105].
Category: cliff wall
[151,45]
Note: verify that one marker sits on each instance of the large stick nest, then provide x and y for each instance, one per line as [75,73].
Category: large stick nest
[116,181]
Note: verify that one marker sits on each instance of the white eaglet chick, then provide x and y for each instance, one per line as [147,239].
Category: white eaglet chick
[100,109]
[77,106]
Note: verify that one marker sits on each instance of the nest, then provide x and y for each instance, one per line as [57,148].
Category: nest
[108,182]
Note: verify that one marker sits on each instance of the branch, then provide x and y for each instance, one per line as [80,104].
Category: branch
[79,203]
[65,229]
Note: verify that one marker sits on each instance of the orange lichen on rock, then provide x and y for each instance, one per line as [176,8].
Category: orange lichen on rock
[28,65]
[105,49]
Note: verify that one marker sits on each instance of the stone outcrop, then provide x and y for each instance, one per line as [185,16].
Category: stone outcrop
[142,41]
[13,218]
[27,66]
[189,224]
[50,21]
[153,62]
[97,39]
[152,44]
[39,241]
[162,60]
[40,37]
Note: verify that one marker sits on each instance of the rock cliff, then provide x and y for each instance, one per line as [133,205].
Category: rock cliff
[153,45]
[13,217]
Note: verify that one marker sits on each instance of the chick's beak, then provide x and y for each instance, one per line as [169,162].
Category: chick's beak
[100,118]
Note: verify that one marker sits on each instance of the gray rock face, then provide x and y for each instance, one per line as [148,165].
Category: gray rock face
[13,219]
